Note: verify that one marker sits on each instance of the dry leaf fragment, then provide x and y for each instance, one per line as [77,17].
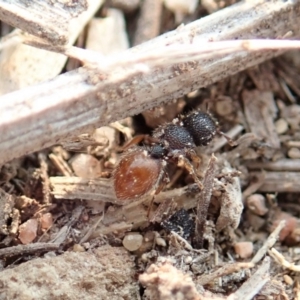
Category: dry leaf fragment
[231,199]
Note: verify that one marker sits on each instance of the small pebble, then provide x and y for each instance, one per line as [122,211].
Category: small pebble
[291,223]
[188,260]
[148,242]
[28,231]
[153,254]
[224,107]
[50,254]
[86,166]
[281,126]
[78,248]
[255,221]
[149,236]
[46,221]
[293,239]
[106,137]
[86,245]
[132,241]
[294,153]
[126,6]
[85,217]
[288,280]
[243,249]
[181,8]
[257,204]
[160,242]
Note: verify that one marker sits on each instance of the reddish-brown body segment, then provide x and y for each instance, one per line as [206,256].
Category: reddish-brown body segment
[136,175]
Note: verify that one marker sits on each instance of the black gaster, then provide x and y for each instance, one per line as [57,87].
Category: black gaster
[201,126]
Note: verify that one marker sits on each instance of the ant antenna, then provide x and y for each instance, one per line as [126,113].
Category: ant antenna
[230,141]
[207,105]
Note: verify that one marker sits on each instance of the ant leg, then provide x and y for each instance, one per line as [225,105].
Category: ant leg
[194,157]
[161,182]
[183,161]
[150,207]
[136,140]
[157,191]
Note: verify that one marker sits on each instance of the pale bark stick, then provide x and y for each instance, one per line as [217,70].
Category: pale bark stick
[43,115]
[41,18]
[22,65]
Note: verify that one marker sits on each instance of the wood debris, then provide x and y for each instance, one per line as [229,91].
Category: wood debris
[7,203]
[105,105]
[22,65]
[204,200]
[224,227]
[260,111]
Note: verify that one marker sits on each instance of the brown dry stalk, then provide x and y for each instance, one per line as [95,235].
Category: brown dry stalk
[204,200]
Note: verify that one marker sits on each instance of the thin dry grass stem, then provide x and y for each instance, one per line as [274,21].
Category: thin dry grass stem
[45,177]
[280,182]
[291,165]
[254,284]
[182,53]
[91,230]
[64,231]
[165,55]
[269,243]
[280,259]
[180,240]
[297,289]
[61,165]
[222,271]
[28,249]
[204,200]
[37,18]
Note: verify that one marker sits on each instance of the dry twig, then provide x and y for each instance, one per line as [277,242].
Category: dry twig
[254,284]
[204,200]
[280,259]
[269,243]
[22,65]
[222,271]
[28,249]
[42,18]
[290,165]
[281,182]
[7,203]
[260,111]
[45,178]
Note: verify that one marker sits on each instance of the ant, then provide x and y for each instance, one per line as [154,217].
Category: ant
[142,170]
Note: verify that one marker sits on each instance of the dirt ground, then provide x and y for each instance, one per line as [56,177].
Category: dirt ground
[65,235]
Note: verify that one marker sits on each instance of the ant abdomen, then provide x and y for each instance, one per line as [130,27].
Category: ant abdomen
[201,126]
[136,174]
